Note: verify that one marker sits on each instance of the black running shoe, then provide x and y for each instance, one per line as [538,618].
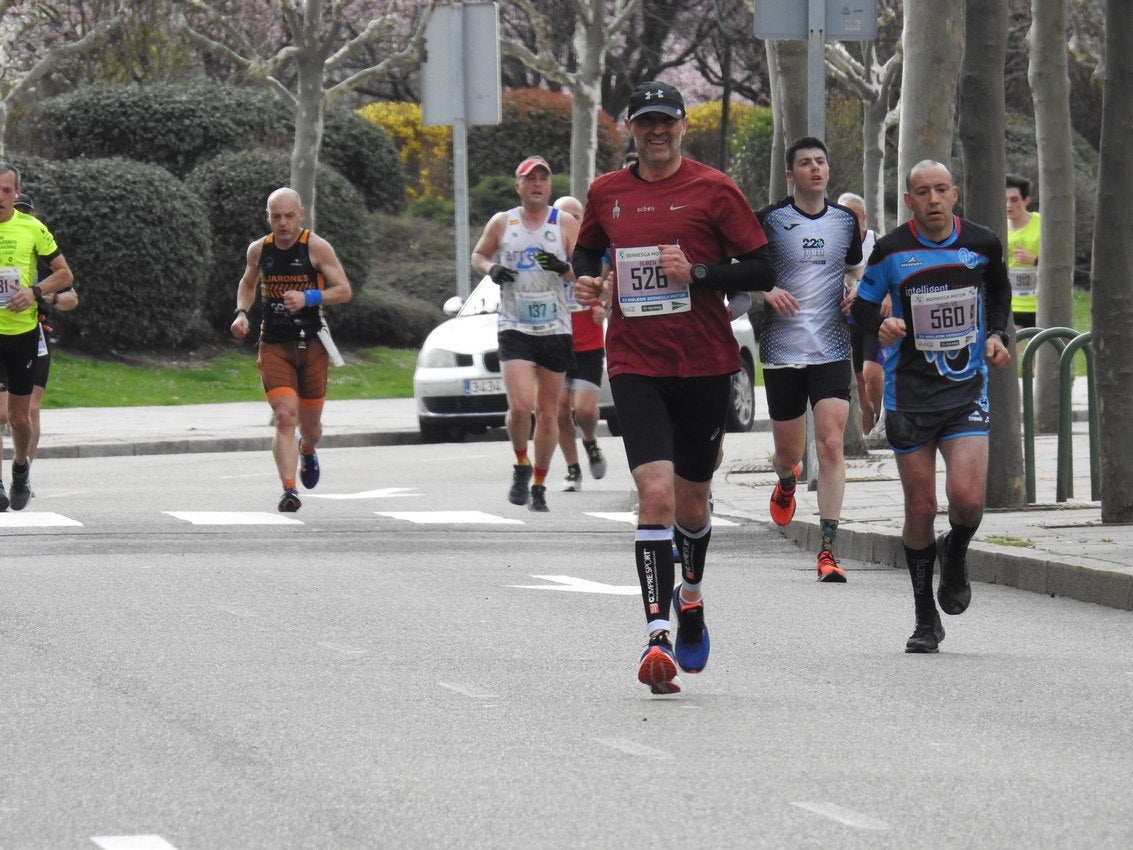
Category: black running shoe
[289,502]
[596,459]
[309,469]
[954,592]
[21,489]
[521,478]
[3,498]
[538,499]
[927,635]
[692,646]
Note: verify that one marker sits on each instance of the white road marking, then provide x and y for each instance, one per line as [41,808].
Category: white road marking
[35,519]
[450,517]
[233,518]
[632,748]
[470,691]
[580,585]
[132,842]
[631,518]
[387,493]
[847,817]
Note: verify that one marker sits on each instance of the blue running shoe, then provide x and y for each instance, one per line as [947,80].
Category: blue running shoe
[657,669]
[692,645]
[309,469]
[289,502]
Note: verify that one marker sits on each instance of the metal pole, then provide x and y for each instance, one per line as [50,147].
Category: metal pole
[460,157]
[816,69]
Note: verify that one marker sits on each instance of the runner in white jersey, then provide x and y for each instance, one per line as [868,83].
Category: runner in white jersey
[525,251]
[804,342]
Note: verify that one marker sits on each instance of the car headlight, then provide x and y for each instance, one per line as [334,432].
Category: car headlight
[437,358]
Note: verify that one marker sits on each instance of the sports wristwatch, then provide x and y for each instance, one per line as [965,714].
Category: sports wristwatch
[699,272]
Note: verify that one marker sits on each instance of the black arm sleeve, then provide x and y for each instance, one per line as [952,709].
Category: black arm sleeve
[752,271]
[586,261]
[866,315]
[997,294]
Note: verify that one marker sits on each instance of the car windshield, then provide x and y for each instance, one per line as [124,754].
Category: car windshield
[485,298]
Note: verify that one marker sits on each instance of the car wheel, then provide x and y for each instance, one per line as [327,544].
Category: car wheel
[431,432]
[741,408]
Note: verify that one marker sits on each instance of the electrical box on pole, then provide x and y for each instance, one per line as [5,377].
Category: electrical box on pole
[460,85]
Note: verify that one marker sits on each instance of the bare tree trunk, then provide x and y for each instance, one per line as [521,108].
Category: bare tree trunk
[929,75]
[786,62]
[1111,283]
[1050,88]
[873,162]
[982,107]
[310,110]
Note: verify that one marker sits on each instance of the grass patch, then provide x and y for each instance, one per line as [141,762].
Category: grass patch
[1007,540]
[88,382]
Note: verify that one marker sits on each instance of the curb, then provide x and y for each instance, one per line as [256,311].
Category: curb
[986,564]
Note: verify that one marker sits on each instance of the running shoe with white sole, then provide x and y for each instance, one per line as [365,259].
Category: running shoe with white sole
[572,481]
[289,502]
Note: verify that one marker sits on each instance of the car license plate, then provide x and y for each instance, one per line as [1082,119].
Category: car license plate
[483,386]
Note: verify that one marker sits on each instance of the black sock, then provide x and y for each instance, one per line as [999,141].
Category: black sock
[958,540]
[693,546]
[829,532]
[653,551]
[575,468]
[920,563]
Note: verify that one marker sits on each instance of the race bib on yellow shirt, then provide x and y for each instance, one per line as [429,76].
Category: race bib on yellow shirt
[1023,281]
[643,289]
[9,283]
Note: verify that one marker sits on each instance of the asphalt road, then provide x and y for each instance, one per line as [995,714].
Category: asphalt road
[410,661]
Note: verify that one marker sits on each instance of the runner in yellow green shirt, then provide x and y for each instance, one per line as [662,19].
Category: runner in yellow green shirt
[23,240]
[1022,251]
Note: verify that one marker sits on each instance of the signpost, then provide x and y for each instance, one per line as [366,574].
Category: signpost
[816,22]
[460,85]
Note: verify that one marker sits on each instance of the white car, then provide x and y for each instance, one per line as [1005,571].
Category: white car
[459,389]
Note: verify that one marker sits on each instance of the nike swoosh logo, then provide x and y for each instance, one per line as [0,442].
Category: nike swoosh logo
[673,207]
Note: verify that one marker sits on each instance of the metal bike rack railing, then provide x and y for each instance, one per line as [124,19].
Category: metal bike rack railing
[1068,342]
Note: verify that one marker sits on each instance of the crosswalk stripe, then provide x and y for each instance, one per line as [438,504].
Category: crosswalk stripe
[450,517]
[233,518]
[35,519]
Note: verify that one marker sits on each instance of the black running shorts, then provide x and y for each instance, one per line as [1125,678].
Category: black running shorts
[907,432]
[676,419]
[554,351]
[788,389]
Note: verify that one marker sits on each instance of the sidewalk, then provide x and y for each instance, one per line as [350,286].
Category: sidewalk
[1057,549]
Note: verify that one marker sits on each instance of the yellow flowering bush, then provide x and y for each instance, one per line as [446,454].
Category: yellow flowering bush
[702,140]
[425,151]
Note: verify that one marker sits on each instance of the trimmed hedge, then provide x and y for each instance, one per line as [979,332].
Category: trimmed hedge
[366,156]
[131,233]
[181,126]
[234,188]
[175,126]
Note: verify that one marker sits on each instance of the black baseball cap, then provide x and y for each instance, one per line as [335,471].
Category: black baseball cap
[654,96]
[24,203]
